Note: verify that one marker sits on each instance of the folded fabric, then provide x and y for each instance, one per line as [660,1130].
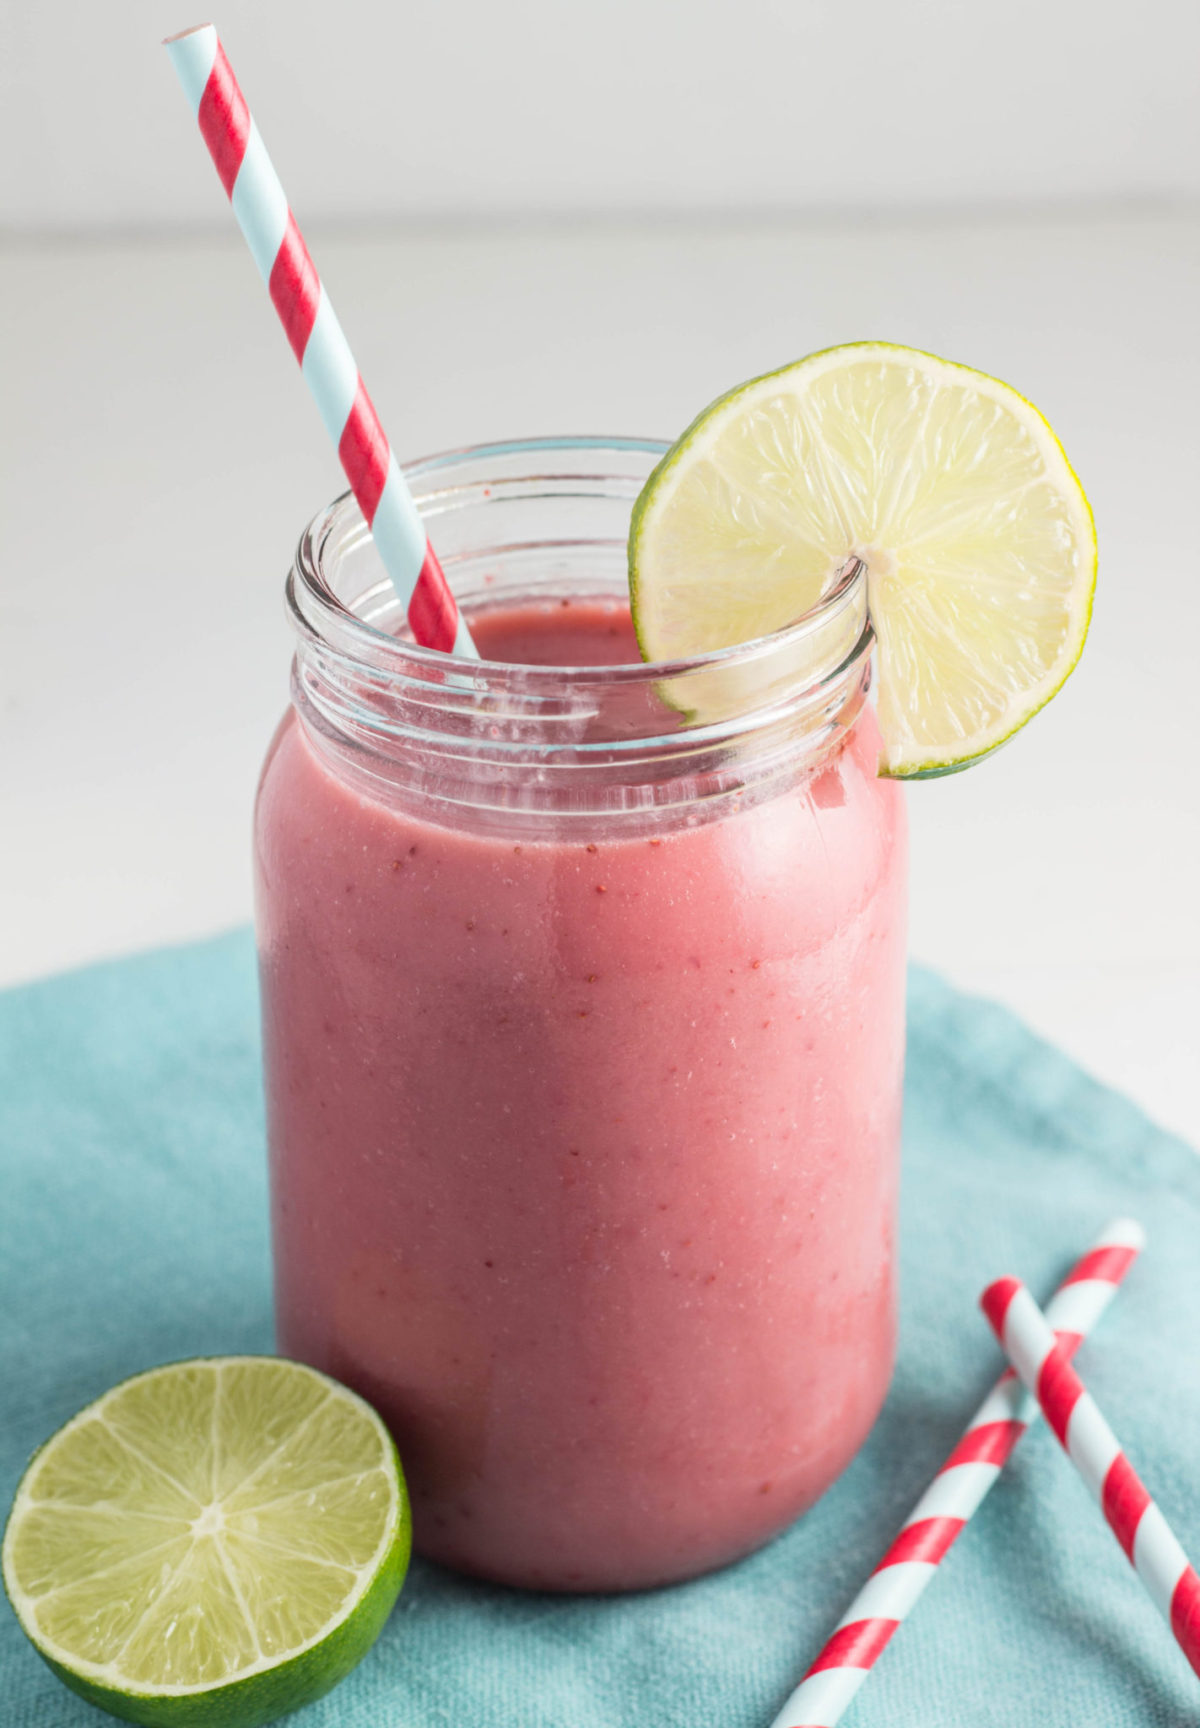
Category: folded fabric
[133,1231]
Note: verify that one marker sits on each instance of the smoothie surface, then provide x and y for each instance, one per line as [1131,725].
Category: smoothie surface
[558,633]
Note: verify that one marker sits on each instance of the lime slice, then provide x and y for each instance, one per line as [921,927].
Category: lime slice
[215,1542]
[978,540]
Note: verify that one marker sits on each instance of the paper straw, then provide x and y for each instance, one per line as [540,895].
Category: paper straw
[953,1497]
[1136,1522]
[311,326]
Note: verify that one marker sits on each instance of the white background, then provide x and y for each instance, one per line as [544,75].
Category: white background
[468,107]
[568,218]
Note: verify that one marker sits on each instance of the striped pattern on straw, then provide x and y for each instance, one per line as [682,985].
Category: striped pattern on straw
[953,1497]
[1136,1522]
[316,337]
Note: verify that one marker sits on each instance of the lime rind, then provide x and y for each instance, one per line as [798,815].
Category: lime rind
[998,579]
[284,1675]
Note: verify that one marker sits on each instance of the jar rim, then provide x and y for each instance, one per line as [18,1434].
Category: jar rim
[320,614]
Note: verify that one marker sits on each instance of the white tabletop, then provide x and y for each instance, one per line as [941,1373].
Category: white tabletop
[160,457]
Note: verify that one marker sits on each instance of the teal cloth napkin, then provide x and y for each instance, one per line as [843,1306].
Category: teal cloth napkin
[133,1231]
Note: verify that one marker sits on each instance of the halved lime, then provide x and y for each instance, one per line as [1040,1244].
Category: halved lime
[978,540]
[215,1542]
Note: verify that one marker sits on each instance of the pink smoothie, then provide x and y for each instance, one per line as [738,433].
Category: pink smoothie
[584,1151]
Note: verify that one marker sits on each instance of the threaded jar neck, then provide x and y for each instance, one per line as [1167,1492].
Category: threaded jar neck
[489,743]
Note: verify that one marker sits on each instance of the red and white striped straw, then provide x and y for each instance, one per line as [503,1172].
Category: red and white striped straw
[1136,1522]
[953,1497]
[261,207]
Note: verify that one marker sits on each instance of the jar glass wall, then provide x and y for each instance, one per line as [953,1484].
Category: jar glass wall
[583,1014]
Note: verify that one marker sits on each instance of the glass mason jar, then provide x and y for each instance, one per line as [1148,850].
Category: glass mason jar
[582,993]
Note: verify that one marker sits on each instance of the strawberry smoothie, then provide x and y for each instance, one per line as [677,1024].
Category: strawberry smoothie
[584,1132]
